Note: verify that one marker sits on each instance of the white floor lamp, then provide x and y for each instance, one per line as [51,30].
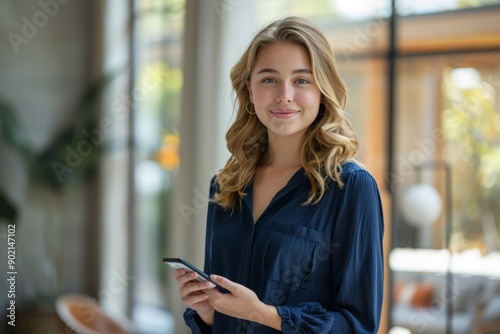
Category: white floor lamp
[421,206]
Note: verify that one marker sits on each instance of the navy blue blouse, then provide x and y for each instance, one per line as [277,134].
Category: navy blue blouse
[320,265]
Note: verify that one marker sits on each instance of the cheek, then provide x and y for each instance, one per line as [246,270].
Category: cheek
[262,97]
[309,100]
[310,97]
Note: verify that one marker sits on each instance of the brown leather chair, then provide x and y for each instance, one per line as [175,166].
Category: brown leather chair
[83,315]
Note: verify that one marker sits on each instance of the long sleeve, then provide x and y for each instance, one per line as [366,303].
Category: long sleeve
[309,317]
[191,318]
[361,278]
[358,265]
[193,321]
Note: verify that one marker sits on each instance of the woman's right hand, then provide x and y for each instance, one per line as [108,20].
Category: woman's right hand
[192,294]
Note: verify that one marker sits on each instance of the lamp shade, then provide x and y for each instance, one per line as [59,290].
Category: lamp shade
[421,205]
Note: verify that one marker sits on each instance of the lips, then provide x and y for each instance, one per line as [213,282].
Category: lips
[284,113]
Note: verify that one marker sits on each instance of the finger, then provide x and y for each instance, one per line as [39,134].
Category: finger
[225,283]
[211,293]
[194,298]
[193,287]
[183,279]
[179,272]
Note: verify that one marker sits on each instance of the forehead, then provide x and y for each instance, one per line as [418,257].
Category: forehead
[283,55]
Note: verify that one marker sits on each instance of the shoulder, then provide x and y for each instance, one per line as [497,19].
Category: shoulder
[214,186]
[361,194]
[352,169]
[354,173]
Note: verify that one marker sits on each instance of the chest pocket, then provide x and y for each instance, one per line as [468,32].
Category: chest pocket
[288,253]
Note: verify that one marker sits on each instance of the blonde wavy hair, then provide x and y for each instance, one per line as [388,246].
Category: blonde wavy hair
[328,142]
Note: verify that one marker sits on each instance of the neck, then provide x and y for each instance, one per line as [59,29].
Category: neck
[284,152]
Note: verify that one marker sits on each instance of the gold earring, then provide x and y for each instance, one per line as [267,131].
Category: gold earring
[248,111]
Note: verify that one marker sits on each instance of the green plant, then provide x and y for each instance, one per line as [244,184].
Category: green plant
[40,165]
[44,181]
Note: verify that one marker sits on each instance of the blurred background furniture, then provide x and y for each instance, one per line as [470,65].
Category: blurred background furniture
[420,291]
[83,315]
[490,319]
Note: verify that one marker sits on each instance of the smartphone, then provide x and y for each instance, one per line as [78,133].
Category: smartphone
[179,263]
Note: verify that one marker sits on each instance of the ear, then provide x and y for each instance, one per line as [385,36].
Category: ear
[250,94]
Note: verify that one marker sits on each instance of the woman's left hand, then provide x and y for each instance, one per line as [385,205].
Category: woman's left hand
[241,303]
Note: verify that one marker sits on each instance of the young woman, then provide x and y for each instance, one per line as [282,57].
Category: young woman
[295,225]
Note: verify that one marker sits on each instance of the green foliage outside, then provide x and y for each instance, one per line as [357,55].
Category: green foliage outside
[471,128]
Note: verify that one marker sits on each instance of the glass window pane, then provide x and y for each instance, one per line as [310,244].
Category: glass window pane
[156,97]
[355,30]
[446,31]
[412,7]
[471,128]
[367,90]
[323,9]
[158,5]
[448,111]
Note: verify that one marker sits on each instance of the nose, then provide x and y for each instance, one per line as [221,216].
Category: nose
[285,94]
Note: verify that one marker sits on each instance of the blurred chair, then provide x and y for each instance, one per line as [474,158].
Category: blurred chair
[83,315]
[490,321]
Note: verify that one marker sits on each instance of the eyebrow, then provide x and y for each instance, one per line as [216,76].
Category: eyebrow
[270,70]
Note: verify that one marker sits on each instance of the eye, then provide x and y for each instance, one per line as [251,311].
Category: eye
[268,80]
[302,81]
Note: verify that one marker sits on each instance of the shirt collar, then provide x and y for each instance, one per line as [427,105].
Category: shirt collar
[297,179]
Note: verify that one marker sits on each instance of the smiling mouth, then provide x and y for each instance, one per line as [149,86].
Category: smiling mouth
[284,114]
